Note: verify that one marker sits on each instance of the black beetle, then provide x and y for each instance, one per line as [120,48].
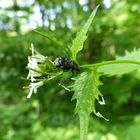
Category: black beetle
[65,64]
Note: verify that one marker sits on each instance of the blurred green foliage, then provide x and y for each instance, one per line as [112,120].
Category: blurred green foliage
[49,113]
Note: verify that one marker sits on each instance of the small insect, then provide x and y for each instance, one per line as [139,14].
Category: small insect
[65,64]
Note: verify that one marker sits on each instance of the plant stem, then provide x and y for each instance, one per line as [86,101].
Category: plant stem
[84,120]
[110,62]
[54,40]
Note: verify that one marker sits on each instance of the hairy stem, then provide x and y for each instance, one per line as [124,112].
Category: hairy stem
[84,120]
[110,62]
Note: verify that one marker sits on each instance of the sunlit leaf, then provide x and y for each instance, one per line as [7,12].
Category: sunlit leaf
[77,44]
[86,91]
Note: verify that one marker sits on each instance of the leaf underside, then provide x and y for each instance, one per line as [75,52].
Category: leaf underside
[122,68]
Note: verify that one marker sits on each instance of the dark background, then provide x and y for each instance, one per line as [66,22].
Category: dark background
[49,114]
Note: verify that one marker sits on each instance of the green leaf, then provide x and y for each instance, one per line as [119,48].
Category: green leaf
[120,66]
[86,91]
[77,44]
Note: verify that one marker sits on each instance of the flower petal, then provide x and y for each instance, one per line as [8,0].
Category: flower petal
[102,101]
[30,93]
[64,87]
[98,114]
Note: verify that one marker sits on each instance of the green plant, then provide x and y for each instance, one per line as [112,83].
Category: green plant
[86,80]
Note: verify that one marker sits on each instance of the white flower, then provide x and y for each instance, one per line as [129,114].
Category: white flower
[36,55]
[33,64]
[98,114]
[102,101]
[33,88]
[64,87]
[34,70]
[39,57]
